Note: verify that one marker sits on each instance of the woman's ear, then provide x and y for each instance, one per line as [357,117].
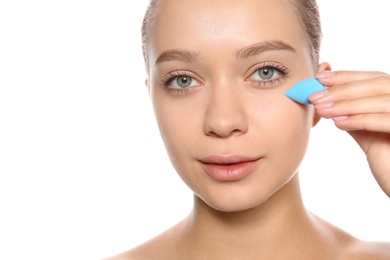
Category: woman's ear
[322,67]
[147,84]
[316,118]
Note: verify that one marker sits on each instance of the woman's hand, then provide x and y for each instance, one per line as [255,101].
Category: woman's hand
[359,103]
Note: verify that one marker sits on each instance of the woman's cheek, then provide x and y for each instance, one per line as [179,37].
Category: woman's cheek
[296,124]
[286,123]
[178,122]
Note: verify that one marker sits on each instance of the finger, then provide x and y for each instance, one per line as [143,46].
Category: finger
[365,122]
[330,79]
[368,138]
[379,104]
[378,85]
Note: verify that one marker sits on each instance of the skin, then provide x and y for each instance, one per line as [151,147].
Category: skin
[359,104]
[228,110]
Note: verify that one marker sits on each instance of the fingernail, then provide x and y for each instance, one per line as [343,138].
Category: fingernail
[325,74]
[324,105]
[318,95]
[339,118]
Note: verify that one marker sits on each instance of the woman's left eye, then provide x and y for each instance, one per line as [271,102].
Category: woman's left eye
[265,74]
[269,74]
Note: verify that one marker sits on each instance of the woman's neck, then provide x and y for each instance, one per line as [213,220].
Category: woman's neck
[280,224]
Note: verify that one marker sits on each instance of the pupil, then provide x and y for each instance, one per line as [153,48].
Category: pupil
[184,82]
[266,73]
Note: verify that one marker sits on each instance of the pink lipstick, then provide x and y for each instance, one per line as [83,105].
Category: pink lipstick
[229,168]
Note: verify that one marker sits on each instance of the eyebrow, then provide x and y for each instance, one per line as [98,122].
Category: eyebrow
[243,53]
[258,48]
[179,55]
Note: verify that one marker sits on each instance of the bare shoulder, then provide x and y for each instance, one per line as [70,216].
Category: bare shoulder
[352,248]
[148,250]
[144,251]
[163,246]
[364,250]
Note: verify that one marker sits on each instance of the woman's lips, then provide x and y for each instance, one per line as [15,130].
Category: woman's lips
[229,168]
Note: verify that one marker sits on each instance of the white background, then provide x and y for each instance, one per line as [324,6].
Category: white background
[83,173]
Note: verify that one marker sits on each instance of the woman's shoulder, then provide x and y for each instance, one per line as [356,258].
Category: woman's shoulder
[161,247]
[148,250]
[365,250]
[350,247]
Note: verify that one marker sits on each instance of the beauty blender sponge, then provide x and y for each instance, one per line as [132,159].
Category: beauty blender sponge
[301,91]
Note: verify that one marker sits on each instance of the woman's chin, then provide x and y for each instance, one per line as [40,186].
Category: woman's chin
[236,204]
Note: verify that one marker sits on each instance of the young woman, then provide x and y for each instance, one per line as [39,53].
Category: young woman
[217,75]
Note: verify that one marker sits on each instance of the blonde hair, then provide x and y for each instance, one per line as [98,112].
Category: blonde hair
[146,28]
[310,17]
[307,10]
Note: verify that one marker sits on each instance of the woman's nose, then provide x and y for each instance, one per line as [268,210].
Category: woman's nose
[225,114]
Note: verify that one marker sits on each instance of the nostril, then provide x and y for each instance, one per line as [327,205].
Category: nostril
[225,113]
[225,129]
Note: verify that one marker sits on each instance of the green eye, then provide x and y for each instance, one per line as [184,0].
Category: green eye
[183,81]
[180,82]
[266,73]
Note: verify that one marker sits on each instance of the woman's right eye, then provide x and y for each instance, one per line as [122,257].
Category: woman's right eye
[183,82]
[178,82]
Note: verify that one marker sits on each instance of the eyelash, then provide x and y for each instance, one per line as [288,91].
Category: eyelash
[284,71]
[167,80]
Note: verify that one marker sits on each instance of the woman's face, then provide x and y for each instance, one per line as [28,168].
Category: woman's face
[218,72]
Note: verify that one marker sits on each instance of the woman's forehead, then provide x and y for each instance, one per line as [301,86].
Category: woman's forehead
[192,23]
[184,10]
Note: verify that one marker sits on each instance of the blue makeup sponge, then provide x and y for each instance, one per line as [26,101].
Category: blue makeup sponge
[301,91]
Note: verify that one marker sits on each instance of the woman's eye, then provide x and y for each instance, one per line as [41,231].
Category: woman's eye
[266,74]
[183,82]
[178,82]
[269,75]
